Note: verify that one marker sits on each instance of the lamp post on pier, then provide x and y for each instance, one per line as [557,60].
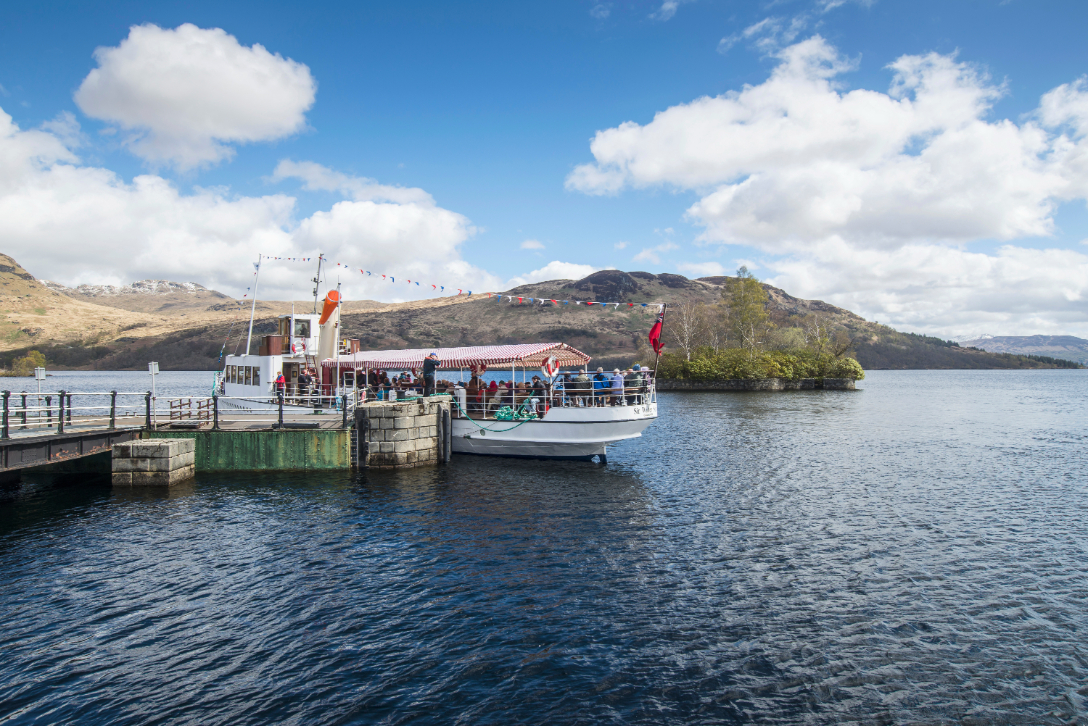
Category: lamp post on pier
[153,369]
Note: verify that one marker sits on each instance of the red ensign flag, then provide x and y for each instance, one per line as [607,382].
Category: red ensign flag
[655,334]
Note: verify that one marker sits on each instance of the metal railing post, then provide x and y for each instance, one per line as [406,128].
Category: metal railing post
[69,408]
[48,412]
[113,410]
[281,411]
[22,416]
[215,412]
[4,433]
[147,404]
[60,414]
[344,409]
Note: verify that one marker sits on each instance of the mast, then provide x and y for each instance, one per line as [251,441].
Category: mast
[317,280]
[253,308]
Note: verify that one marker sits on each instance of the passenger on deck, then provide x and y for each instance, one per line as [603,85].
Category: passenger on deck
[617,387]
[632,382]
[601,383]
[496,391]
[585,388]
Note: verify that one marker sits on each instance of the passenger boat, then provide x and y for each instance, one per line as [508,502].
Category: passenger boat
[560,423]
[555,422]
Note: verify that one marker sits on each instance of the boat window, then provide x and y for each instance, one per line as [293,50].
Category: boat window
[247,370]
[256,376]
[285,326]
[230,374]
[302,328]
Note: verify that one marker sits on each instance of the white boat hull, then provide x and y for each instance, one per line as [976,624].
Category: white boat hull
[563,433]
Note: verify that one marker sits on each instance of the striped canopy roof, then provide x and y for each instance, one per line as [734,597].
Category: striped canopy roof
[528,354]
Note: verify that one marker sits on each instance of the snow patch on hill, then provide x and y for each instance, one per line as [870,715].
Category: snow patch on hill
[142,287]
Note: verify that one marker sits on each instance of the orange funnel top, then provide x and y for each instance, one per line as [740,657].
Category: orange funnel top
[331,301]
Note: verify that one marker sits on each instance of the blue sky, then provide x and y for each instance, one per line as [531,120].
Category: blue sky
[489,108]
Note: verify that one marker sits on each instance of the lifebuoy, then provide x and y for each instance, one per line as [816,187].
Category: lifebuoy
[550,366]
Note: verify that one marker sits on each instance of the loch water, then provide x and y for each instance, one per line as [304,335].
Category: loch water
[912,552]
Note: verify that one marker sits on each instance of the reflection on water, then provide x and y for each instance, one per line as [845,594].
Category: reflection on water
[913,552]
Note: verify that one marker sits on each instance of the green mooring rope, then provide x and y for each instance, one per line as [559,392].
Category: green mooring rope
[484,428]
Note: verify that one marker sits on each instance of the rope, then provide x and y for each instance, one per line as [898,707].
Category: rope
[484,428]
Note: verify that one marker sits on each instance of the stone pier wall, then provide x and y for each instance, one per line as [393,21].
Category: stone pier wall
[403,433]
[762,384]
[160,462]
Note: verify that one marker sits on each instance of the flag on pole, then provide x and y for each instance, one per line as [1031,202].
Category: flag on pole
[655,333]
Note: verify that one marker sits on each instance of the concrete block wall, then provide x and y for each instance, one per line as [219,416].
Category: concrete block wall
[403,434]
[156,462]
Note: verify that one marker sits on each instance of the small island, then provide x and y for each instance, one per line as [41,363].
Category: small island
[735,345]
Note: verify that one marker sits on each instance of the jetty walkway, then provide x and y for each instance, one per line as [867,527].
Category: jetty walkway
[231,434]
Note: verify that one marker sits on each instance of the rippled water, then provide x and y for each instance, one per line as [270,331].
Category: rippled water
[911,553]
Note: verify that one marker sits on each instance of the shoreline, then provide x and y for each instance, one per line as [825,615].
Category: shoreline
[758,384]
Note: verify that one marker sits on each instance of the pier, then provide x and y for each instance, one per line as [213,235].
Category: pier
[333,433]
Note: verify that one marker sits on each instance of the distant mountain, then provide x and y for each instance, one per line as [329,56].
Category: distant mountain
[146,296]
[1066,347]
[143,287]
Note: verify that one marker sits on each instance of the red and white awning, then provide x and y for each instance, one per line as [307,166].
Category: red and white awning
[527,355]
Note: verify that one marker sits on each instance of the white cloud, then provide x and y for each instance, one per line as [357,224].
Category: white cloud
[797,166]
[66,128]
[947,291]
[183,95]
[554,270]
[600,12]
[320,178]
[75,223]
[666,11]
[653,254]
[827,5]
[620,245]
[767,35]
[532,244]
[701,269]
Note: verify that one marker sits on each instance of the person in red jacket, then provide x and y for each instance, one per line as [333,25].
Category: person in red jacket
[281,384]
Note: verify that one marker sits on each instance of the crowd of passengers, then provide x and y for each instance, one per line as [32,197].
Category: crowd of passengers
[569,389]
[617,388]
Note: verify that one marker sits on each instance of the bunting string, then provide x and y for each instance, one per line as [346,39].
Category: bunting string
[496,296]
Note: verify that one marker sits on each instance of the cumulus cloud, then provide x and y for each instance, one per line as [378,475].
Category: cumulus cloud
[183,96]
[75,223]
[532,244]
[601,11]
[554,270]
[797,165]
[947,291]
[620,245]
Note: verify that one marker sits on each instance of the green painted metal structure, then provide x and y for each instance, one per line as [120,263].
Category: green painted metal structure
[261,450]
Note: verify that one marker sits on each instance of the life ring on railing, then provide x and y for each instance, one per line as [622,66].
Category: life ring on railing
[550,366]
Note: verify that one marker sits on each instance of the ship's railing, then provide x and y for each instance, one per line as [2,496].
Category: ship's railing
[485,403]
[29,414]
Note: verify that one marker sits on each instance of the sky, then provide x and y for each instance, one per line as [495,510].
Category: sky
[924,164]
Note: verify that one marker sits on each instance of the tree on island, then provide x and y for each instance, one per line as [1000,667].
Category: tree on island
[25,366]
[748,319]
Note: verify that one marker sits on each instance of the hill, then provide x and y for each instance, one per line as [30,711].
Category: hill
[1066,347]
[184,326]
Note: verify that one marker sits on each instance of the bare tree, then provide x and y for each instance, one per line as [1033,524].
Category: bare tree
[686,326]
[822,340]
